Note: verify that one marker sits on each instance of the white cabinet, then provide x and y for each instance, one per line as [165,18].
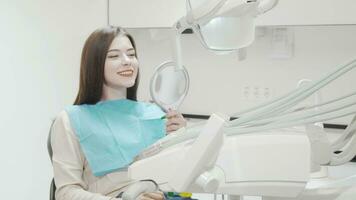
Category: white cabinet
[145,13]
[310,12]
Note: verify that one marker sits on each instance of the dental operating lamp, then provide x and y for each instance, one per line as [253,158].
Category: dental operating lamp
[221,26]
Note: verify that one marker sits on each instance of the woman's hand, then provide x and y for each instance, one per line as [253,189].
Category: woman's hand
[175,121]
[152,196]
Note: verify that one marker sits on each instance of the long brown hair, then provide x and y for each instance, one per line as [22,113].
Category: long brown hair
[93,62]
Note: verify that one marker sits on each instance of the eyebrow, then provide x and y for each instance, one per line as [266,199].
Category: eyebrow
[130,49]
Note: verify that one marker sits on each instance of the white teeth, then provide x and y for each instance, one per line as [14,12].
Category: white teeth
[126,73]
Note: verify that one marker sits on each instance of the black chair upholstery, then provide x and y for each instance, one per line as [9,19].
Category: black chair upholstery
[52,190]
[50,152]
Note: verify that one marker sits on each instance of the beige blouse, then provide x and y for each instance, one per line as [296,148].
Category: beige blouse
[72,174]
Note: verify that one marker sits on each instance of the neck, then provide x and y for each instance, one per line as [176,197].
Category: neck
[110,93]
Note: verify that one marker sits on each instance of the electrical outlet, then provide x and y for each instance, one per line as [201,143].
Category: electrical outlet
[256,93]
[266,92]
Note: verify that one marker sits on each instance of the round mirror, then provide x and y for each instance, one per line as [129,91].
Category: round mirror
[169,85]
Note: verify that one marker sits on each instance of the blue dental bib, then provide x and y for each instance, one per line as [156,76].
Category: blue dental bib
[112,133]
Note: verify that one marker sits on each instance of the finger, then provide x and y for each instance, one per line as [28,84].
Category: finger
[171,114]
[176,116]
[180,116]
[155,195]
[177,121]
[175,124]
[172,128]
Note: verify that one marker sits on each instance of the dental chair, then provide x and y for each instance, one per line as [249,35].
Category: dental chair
[52,189]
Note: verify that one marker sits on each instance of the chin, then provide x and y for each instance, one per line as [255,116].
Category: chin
[128,85]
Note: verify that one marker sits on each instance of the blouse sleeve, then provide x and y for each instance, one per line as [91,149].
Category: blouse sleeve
[68,163]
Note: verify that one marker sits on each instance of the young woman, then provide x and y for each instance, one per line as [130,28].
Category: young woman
[95,140]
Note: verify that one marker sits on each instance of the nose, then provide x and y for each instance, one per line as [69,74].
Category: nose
[125,60]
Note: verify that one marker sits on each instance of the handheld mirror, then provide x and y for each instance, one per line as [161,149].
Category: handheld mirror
[169,85]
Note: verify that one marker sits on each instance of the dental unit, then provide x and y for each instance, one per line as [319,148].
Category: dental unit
[274,150]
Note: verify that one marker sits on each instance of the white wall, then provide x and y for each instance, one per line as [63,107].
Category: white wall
[152,13]
[306,12]
[39,61]
[219,82]
[40,50]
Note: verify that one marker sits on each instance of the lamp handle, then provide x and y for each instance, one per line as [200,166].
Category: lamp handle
[266,5]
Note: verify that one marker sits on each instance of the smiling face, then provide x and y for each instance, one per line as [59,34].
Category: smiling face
[121,64]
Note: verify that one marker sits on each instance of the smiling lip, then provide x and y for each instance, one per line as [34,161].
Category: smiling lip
[126,73]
